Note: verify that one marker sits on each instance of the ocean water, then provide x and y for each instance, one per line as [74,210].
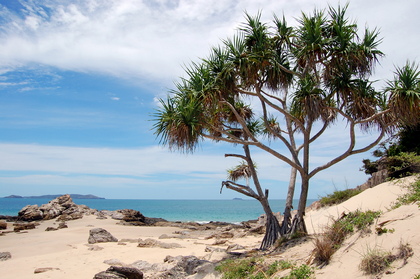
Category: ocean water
[172,210]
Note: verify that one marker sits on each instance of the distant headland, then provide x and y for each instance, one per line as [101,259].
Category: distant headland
[73,196]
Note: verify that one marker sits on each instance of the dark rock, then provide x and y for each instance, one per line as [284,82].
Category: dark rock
[3,225]
[48,229]
[24,226]
[100,235]
[62,225]
[4,256]
[118,272]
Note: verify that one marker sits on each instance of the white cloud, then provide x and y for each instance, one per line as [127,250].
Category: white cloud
[105,161]
[135,38]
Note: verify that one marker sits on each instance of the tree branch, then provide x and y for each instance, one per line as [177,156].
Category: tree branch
[242,189]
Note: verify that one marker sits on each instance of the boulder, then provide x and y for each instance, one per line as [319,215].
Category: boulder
[120,272]
[98,235]
[4,256]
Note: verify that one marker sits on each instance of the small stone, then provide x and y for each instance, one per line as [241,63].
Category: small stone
[44,269]
[4,256]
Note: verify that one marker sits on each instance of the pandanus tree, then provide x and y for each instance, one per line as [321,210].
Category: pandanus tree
[247,170]
[299,81]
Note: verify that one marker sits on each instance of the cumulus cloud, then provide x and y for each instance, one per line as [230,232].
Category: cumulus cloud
[153,39]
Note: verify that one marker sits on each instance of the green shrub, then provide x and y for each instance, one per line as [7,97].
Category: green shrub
[233,269]
[250,268]
[302,272]
[338,197]
[403,164]
[413,195]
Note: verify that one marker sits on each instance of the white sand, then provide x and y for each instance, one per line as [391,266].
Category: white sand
[67,249]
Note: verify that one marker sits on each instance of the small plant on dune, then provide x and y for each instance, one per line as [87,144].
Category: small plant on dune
[404,252]
[324,249]
[302,272]
[233,269]
[338,197]
[285,265]
[376,261]
[334,235]
[250,268]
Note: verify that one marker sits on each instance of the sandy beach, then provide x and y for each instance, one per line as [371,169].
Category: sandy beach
[68,254]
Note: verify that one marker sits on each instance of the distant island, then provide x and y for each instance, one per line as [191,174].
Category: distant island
[237,199]
[73,196]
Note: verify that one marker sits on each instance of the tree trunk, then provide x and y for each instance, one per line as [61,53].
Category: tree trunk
[298,224]
[287,215]
[272,227]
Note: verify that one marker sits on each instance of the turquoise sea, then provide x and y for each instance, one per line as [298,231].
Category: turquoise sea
[172,210]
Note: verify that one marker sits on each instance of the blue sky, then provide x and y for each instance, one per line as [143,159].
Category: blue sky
[79,82]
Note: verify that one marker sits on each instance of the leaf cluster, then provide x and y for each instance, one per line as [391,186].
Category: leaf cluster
[323,60]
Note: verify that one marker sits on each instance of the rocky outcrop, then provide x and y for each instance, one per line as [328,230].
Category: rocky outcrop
[62,206]
[376,179]
[120,272]
[98,235]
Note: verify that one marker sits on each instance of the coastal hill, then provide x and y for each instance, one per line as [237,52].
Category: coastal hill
[73,196]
